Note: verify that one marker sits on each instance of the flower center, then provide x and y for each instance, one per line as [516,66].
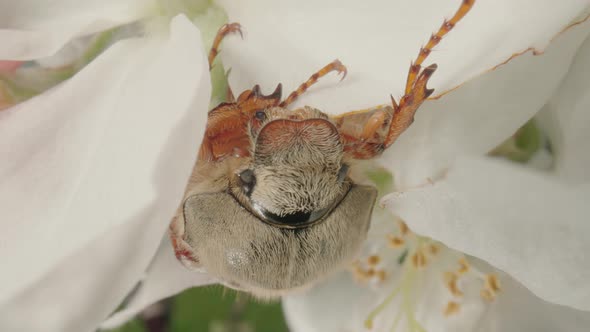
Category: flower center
[405,262]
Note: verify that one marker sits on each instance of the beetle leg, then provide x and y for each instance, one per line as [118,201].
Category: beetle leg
[221,33]
[363,131]
[227,124]
[372,139]
[447,26]
[416,91]
[182,250]
[403,114]
[335,65]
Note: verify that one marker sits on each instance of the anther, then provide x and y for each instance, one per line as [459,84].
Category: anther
[403,228]
[463,266]
[419,259]
[451,283]
[492,283]
[373,260]
[452,308]
[395,241]
[433,248]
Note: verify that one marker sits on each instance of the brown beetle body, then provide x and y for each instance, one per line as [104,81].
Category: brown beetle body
[271,206]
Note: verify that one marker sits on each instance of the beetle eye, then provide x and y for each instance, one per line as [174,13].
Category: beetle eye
[260,115]
[248,181]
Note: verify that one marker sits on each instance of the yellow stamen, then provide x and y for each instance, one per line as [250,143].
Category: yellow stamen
[396,321]
[492,283]
[433,249]
[407,279]
[451,282]
[359,273]
[381,307]
[381,275]
[373,260]
[419,259]
[452,308]
[463,266]
[395,241]
[403,228]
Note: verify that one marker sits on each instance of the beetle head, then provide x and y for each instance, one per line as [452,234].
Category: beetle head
[296,174]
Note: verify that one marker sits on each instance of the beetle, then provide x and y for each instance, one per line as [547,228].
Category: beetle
[273,205]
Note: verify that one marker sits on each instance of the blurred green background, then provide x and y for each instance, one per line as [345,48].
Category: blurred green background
[212,309]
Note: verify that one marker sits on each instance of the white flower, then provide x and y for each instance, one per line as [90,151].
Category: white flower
[484,208]
[285,41]
[93,169]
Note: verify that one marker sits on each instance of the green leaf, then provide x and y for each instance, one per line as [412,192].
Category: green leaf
[135,325]
[522,145]
[219,309]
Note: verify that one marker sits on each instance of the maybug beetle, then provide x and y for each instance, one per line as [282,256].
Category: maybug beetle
[272,205]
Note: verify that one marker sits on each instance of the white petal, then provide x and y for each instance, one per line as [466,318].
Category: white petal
[517,310]
[332,306]
[81,291]
[525,223]
[32,29]
[567,119]
[165,277]
[97,167]
[287,41]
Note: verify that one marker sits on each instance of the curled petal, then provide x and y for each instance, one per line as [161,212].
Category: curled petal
[525,223]
[518,310]
[531,225]
[567,120]
[96,169]
[482,113]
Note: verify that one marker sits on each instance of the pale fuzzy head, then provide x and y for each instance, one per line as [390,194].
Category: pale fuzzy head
[296,162]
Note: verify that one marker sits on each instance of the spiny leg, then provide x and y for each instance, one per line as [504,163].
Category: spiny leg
[335,65]
[221,33]
[447,26]
[382,125]
[416,91]
[403,114]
